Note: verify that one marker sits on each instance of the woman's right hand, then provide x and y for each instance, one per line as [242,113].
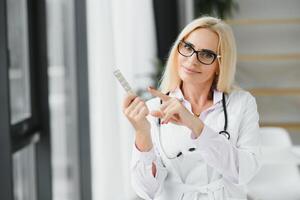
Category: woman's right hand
[135,110]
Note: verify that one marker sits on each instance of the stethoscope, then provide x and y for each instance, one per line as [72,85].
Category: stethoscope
[223,132]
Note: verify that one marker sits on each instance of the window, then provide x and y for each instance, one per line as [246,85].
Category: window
[17,32]
[25,143]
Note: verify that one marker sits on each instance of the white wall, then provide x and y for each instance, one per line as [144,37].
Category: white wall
[271,39]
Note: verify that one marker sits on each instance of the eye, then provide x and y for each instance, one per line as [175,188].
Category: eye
[188,47]
[206,55]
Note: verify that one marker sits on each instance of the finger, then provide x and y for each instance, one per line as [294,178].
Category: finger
[172,120]
[158,94]
[167,118]
[132,105]
[157,113]
[128,99]
[137,108]
[176,117]
[166,110]
[164,105]
[169,114]
[170,109]
[170,105]
[172,101]
[143,112]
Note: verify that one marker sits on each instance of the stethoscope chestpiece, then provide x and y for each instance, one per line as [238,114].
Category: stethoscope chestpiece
[225,133]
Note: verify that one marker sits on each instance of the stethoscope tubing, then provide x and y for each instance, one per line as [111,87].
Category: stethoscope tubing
[223,132]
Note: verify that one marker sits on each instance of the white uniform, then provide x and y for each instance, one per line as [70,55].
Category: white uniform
[217,168]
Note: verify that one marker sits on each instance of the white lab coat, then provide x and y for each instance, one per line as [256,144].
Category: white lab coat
[218,168]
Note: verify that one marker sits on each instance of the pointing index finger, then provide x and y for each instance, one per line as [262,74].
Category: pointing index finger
[158,94]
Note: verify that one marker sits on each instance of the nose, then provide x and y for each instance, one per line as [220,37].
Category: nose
[193,60]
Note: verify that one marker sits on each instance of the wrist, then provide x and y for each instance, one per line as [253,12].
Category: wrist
[142,132]
[143,141]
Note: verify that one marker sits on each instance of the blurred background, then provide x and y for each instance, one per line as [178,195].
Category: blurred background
[62,132]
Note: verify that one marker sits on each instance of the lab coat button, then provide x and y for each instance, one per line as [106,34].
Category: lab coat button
[179,154]
[192,149]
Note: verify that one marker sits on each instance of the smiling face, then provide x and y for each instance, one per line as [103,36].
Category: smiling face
[190,69]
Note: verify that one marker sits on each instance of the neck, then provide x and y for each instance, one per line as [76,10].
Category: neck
[197,94]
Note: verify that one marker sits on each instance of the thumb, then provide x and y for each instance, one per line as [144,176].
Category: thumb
[156,113]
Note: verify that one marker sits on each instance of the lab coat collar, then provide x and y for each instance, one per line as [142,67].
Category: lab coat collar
[217,95]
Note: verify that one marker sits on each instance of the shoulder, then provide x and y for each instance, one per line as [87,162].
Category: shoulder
[243,100]
[241,95]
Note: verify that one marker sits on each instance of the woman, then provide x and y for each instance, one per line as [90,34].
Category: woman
[199,138]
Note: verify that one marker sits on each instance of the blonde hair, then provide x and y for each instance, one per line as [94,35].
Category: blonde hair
[226,48]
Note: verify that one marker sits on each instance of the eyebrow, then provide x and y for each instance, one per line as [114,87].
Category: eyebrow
[189,43]
[208,50]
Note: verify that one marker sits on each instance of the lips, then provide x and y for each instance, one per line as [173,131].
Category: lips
[190,70]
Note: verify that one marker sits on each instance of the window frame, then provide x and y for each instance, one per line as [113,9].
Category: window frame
[36,129]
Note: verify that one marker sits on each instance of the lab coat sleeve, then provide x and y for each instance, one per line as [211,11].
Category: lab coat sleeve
[238,162]
[144,183]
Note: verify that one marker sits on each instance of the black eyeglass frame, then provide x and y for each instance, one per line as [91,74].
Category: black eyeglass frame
[195,51]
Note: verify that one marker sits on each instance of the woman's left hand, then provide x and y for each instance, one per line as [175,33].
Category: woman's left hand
[172,110]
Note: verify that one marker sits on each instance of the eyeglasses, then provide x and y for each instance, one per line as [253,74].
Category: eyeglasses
[204,56]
